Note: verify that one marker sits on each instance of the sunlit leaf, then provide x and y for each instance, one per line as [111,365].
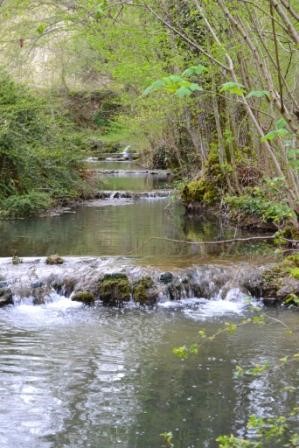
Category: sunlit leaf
[195,70]
[233,87]
[258,94]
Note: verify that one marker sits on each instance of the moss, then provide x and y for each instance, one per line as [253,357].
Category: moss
[201,190]
[292,299]
[114,289]
[143,291]
[208,188]
[54,259]
[282,279]
[84,297]
[292,260]
[294,272]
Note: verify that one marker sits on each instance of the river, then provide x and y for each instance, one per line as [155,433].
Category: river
[96,377]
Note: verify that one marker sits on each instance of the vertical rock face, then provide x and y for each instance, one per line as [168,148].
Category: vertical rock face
[114,289]
[5,297]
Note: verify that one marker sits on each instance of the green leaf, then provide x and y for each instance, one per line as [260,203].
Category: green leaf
[281,124]
[183,91]
[276,133]
[195,87]
[233,87]
[258,94]
[195,70]
[41,28]
[154,86]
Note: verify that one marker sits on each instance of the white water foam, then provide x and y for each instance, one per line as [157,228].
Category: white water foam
[55,312]
[235,303]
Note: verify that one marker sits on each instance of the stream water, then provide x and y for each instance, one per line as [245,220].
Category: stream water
[93,377]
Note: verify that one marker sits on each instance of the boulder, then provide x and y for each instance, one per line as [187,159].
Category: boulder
[86,297]
[166,277]
[114,289]
[144,291]
[54,259]
[5,297]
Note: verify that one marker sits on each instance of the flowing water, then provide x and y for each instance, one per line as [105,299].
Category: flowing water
[142,228]
[94,377]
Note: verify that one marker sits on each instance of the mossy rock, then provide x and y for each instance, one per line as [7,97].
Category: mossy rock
[114,289]
[86,297]
[54,259]
[282,280]
[144,291]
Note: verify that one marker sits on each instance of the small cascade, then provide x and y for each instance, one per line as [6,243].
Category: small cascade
[115,281]
[111,194]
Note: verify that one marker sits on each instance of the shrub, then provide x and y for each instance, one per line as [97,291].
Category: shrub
[38,148]
[267,202]
[26,204]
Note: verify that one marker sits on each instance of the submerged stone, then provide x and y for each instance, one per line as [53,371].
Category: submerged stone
[5,297]
[144,291]
[114,289]
[84,297]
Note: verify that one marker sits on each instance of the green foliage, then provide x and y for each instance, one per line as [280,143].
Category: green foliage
[39,152]
[26,204]
[258,94]
[235,442]
[292,299]
[167,438]
[185,352]
[267,202]
[294,272]
[280,131]
[233,88]
[195,70]
[174,84]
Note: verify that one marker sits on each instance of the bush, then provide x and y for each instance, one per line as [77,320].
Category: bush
[39,147]
[267,202]
[25,205]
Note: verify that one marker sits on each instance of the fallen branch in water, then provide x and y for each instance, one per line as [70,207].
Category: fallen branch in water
[230,241]
[233,240]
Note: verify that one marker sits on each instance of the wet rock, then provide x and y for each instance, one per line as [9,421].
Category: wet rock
[288,288]
[86,297]
[144,291]
[54,259]
[270,301]
[37,284]
[5,297]
[166,277]
[3,284]
[252,281]
[39,297]
[69,284]
[16,260]
[114,289]
[175,290]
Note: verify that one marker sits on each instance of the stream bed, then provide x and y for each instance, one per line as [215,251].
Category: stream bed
[75,376]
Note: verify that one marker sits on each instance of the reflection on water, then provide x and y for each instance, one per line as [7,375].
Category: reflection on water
[134,182]
[110,165]
[124,230]
[77,377]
